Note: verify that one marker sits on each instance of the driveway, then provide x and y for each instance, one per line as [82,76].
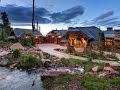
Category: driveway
[49,48]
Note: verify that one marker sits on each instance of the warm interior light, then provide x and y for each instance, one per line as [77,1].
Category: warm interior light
[53,36]
[36,37]
[26,37]
[59,36]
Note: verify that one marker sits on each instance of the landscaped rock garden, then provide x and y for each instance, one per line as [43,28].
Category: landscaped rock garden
[95,76]
[20,57]
[90,54]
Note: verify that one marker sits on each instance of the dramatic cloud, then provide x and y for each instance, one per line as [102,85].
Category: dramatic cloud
[106,19]
[103,16]
[112,23]
[24,14]
[67,15]
[20,14]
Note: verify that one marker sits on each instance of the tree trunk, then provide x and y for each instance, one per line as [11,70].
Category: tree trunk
[33,20]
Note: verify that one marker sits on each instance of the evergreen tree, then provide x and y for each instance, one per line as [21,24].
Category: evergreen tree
[5,22]
[5,19]
[101,42]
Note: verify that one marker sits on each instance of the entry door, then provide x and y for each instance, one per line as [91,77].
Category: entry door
[73,42]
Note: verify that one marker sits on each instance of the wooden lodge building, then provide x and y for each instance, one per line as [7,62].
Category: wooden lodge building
[56,37]
[117,39]
[109,37]
[112,38]
[79,37]
[83,36]
[17,32]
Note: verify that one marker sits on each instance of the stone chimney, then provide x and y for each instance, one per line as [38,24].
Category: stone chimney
[109,28]
[69,28]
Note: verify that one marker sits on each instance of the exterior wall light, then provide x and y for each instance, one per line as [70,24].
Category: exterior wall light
[36,37]
[59,36]
[53,36]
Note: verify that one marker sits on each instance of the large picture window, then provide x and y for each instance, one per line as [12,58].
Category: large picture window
[108,42]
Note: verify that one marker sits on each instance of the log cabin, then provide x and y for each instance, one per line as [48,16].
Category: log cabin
[81,37]
[56,36]
[17,32]
[117,39]
[109,37]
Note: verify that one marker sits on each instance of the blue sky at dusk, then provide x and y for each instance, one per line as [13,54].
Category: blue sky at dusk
[53,14]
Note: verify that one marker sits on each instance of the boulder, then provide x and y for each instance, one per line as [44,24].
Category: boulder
[17,46]
[102,74]
[108,69]
[3,53]
[3,63]
[15,68]
[111,71]
[114,64]
[92,73]
[13,65]
[95,69]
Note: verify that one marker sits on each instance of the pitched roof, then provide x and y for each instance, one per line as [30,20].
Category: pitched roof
[91,32]
[109,34]
[61,32]
[19,31]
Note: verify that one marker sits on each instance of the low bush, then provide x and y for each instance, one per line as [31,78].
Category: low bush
[10,59]
[4,44]
[70,62]
[94,83]
[85,82]
[112,56]
[16,53]
[29,62]
[64,62]
[50,83]
[70,49]
[26,39]
[47,83]
[88,65]
[115,81]
[45,53]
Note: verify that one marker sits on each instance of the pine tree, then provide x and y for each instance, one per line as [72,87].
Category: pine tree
[5,22]
[101,42]
[5,19]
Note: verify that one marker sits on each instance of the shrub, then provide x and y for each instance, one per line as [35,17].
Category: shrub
[112,56]
[26,39]
[3,35]
[70,49]
[4,43]
[75,61]
[94,83]
[47,82]
[45,53]
[16,53]
[29,62]
[10,59]
[115,81]
[64,61]
[66,77]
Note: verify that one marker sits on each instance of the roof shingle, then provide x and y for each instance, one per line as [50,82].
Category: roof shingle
[19,31]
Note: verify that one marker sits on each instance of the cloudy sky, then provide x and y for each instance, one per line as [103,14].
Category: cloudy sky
[52,14]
